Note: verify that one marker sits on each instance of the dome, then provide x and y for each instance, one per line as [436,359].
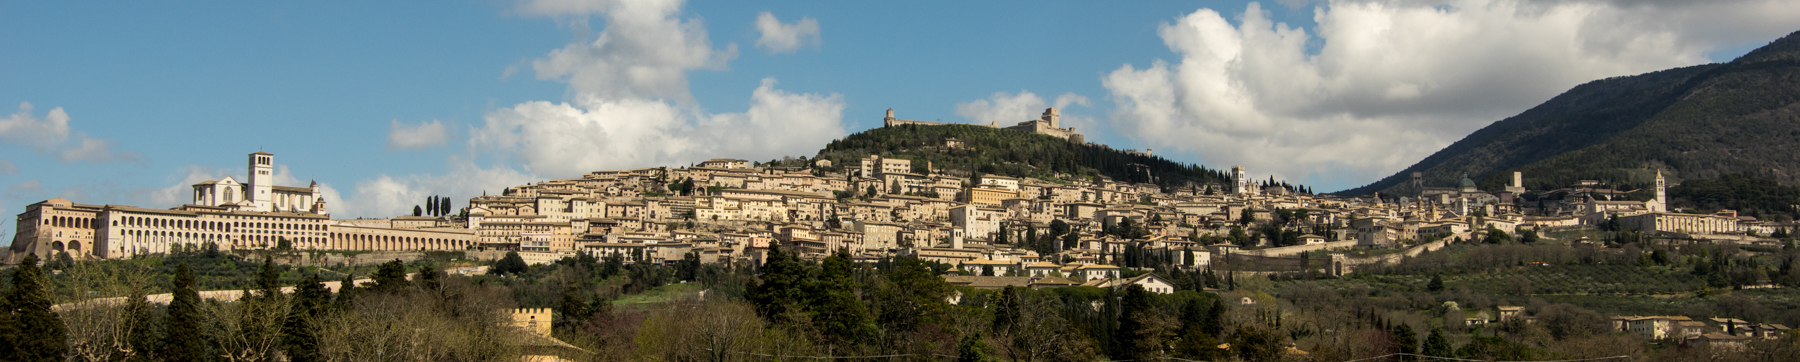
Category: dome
[1466,183]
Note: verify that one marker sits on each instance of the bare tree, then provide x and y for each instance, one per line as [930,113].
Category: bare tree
[247,329]
[99,320]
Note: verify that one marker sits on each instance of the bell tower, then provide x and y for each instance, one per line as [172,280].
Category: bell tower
[261,181]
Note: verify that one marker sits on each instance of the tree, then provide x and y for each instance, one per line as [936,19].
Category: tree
[140,326]
[834,307]
[268,281]
[972,349]
[299,332]
[431,205]
[1257,343]
[418,211]
[778,286]
[509,264]
[346,295]
[431,278]
[1436,345]
[1405,339]
[183,339]
[1000,237]
[390,277]
[41,335]
[1436,284]
[1141,326]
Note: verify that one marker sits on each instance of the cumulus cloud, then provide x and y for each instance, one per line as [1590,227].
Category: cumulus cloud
[628,100]
[416,137]
[1392,81]
[778,37]
[1007,109]
[7,167]
[645,51]
[52,135]
[389,196]
[593,133]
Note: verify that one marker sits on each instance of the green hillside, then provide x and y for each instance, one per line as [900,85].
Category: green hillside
[1698,122]
[1012,153]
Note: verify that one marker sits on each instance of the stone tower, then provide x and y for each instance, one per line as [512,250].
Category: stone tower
[1661,203]
[261,181]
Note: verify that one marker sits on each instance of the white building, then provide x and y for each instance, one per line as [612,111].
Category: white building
[258,192]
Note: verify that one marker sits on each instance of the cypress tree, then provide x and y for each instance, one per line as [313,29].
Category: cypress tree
[41,335]
[299,338]
[1436,345]
[141,327]
[431,278]
[346,295]
[834,305]
[390,277]
[1436,284]
[268,280]
[183,341]
[778,286]
[1407,340]
[9,329]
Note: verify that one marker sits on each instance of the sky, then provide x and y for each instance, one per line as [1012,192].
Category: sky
[386,103]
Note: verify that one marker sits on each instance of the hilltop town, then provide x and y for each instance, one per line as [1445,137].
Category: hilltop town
[732,210]
[984,233]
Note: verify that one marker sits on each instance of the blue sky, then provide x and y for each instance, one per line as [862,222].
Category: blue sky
[385,103]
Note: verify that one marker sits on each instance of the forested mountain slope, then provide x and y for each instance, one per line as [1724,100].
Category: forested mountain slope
[973,148]
[1741,117]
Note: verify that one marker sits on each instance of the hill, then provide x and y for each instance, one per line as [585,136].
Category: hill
[965,149]
[1702,121]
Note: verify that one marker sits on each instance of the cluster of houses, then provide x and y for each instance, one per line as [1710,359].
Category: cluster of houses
[1710,330]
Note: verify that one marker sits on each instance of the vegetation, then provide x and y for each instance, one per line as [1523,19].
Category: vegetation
[994,151]
[903,309]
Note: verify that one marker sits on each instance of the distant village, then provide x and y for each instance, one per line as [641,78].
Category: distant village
[995,231]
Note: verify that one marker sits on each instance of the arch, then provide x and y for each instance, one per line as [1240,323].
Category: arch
[74,245]
[56,245]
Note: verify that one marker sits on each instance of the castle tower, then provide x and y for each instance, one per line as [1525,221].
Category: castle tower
[261,181]
[1052,116]
[889,121]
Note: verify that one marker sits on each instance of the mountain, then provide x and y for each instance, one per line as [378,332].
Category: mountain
[1703,121]
[963,149]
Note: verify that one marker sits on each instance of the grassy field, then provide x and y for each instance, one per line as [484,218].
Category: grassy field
[662,294]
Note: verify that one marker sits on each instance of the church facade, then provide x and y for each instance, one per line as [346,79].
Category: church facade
[258,191]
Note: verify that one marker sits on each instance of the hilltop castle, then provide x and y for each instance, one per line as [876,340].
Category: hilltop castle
[1047,124]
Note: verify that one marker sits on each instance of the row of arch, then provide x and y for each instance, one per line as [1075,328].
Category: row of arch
[352,241]
[70,222]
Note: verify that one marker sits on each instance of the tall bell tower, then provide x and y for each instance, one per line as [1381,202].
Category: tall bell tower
[261,181]
[1661,204]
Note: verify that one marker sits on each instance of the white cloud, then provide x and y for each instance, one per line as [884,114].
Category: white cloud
[7,167]
[52,135]
[389,196]
[1008,109]
[1392,81]
[645,50]
[416,137]
[43,135]
[778,37]
[629,105]
[563,139]
[1002,109]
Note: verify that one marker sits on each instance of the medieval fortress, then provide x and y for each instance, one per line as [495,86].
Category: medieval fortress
[1047,124]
